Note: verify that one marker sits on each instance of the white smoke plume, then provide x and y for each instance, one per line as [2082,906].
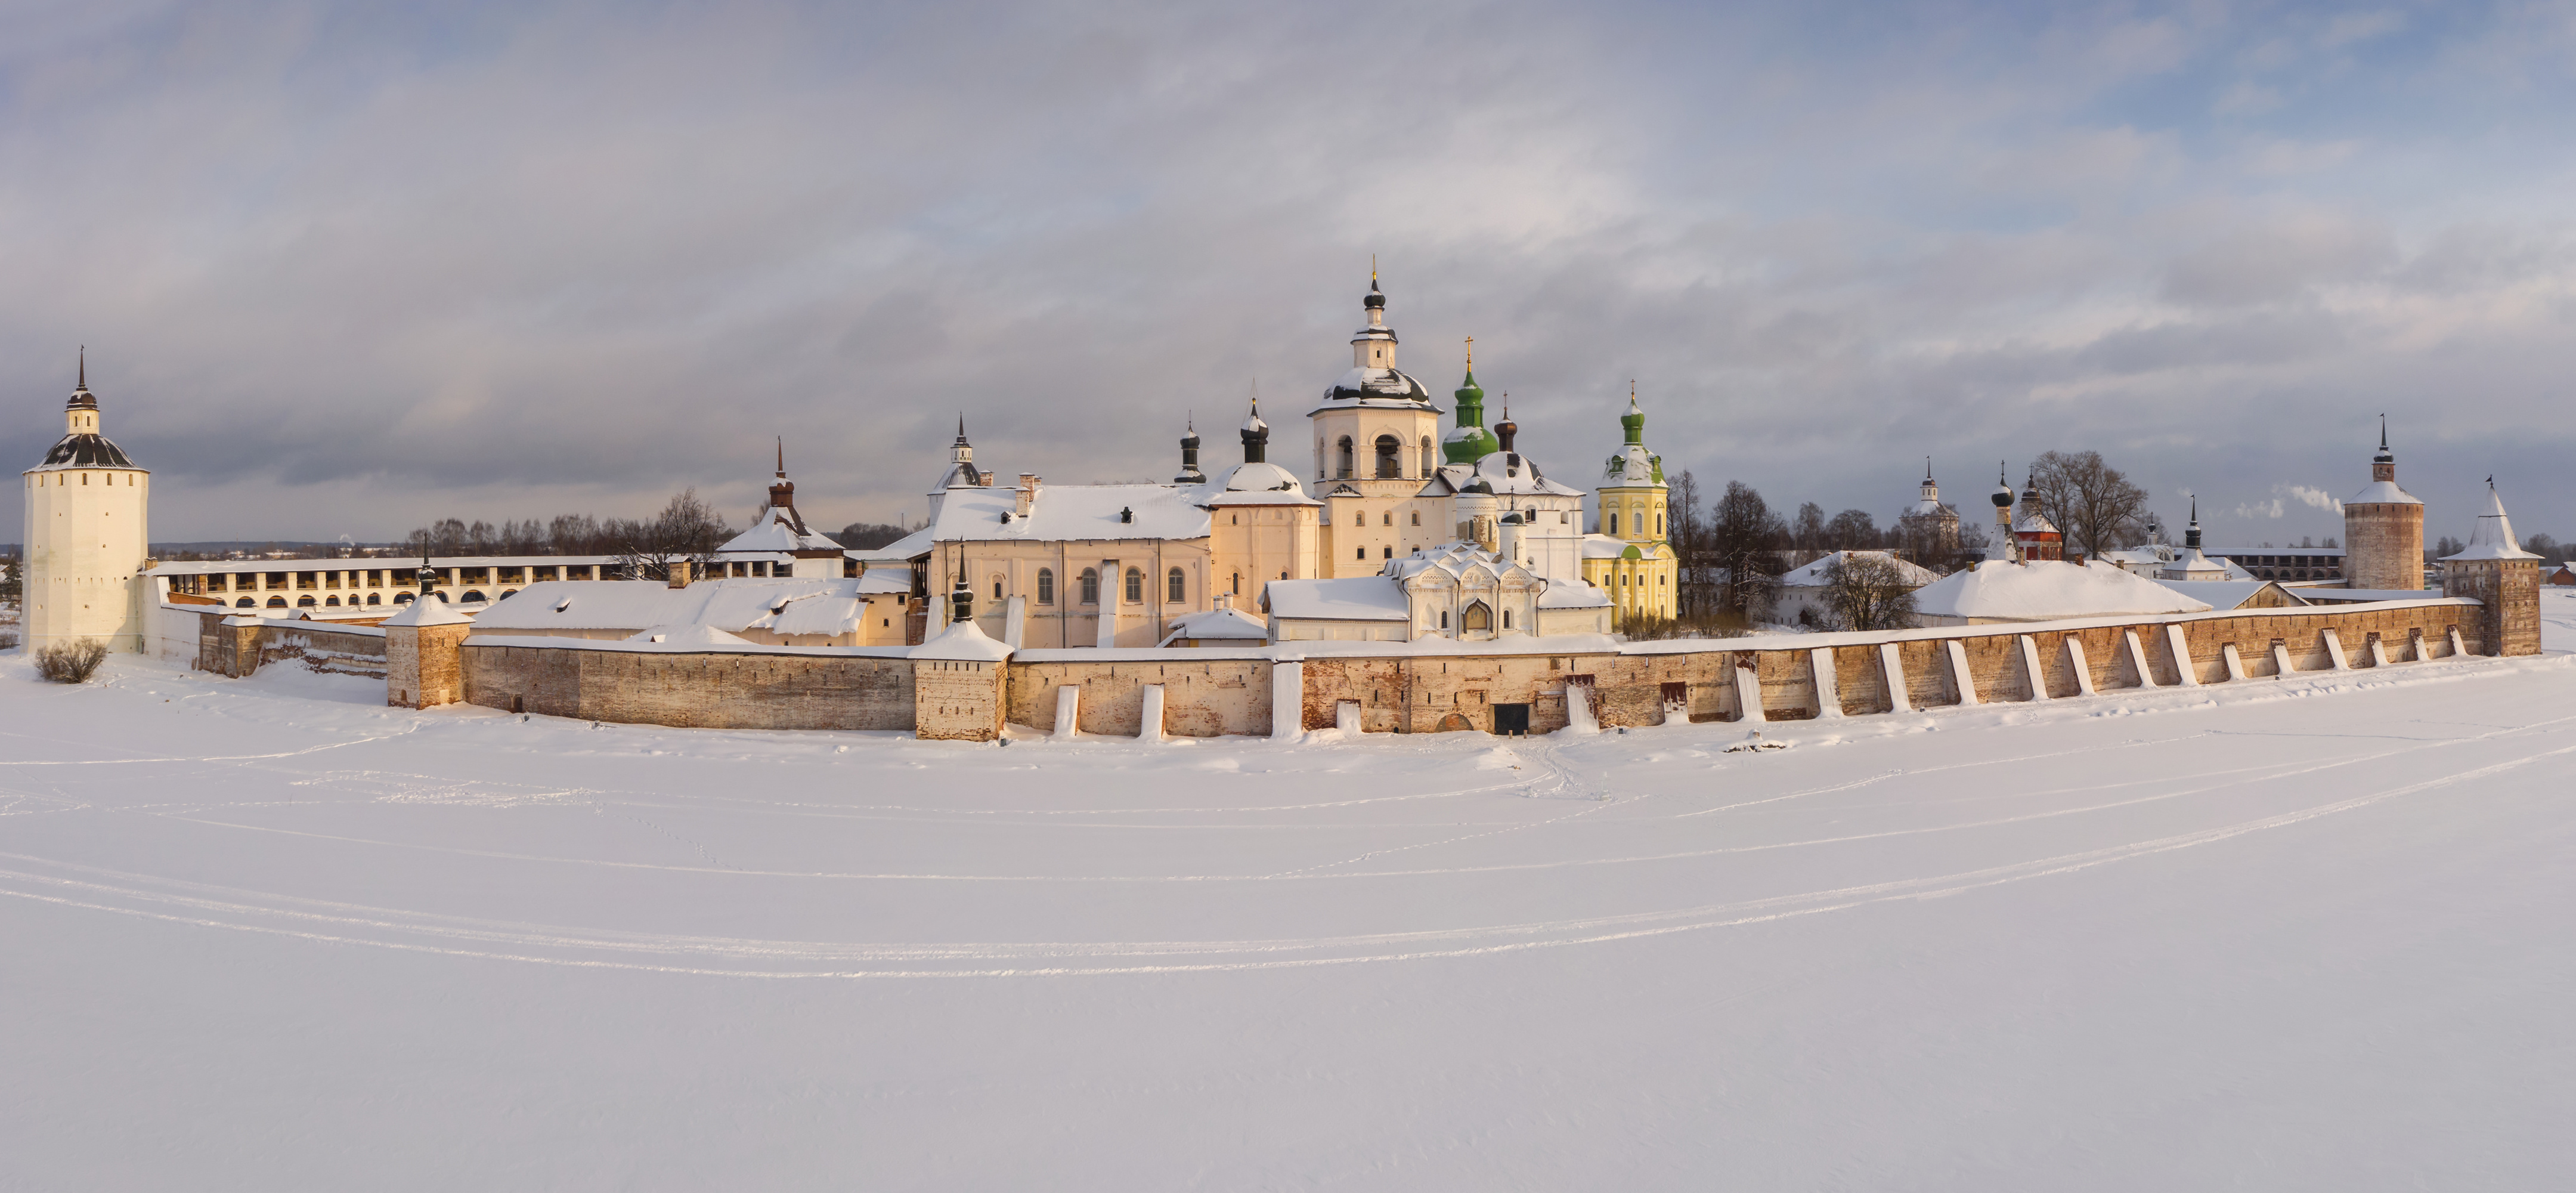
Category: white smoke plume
[2260,509]
[2315,498]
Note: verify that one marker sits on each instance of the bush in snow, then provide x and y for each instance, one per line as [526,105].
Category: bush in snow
[71,662]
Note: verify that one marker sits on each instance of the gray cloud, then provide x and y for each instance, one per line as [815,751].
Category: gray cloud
[342,272]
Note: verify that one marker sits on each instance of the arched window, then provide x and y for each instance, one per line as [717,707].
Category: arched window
[1090,586]
[1614,525]
[1176,587]
[1478,618]
[305,602]
[1135,587]
[1388,550]
[244,603]
[375,598]
[1238,584]
[1659,523]
[1359,552]
[505,593]
[472,594]
[1387,518]
[997,588]
[1344,469]
[1444,619]
[1046,586]
[333,602]
[1427,458]
[1390,457]
[400,598]
[1507,619]
[277,602]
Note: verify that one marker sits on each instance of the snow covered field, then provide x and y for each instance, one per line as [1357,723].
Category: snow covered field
[2312,934]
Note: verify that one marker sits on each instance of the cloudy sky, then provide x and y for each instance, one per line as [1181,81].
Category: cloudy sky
[344,268]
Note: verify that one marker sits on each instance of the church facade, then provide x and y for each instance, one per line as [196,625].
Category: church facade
[1388,496]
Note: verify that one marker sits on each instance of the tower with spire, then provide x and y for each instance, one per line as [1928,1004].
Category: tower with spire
[2503,578]
[2383,528]
[1631,556]
[1930,528]
[88,535]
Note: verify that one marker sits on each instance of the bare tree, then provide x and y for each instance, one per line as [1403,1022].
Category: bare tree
[2096,507]
[1867,591]
[1689,539]
[1745,539]
[686,529]
[1807,530]
[861,536]
[1851,530]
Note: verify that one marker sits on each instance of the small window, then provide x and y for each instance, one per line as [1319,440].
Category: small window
[1345,469]
[1238,584]
[1135,587]
[277,602]
[1444,619]
[1389,550]
[1417,517]
[997,588]
[1390,461]
[332,602]
[243,603]
[400,598]
[1090,586]
[1507,619]
[1614,524]
[375,598]
[1046,586]
[1659,523]
[304,602]
[1359,552]
[1176,587]
[1387,518]
[472,594]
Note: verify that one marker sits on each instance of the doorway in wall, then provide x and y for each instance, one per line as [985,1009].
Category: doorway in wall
[1510,719]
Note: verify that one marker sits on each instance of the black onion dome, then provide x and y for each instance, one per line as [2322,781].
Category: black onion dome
[86,451]
[1379,383]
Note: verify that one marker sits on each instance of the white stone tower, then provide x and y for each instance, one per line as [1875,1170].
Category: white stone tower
[87,536]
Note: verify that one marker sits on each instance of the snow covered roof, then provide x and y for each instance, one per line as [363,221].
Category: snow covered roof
[1064,512]
[781,605]
[1602,546]
[437,612]
[2048,589]
[1359,598]
[775,532]
[683,637]
[2493,539]
[902,550]
[884,580]
[2382,493]
[1255,483]
[1229,624]
[1572,594]
[1813,575]
[2226,594]
[962,640]
[1509,474]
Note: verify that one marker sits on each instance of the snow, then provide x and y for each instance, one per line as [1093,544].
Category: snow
[688,637]
[1358,598]
[961,640]
[2382,493]
[2045,590]
[1228,624]
[2228,594]
[2493,538]
[1813,574]
[1072,513]
[2306,934]
[813,605]
[773,533]
[433,612]
[902,550]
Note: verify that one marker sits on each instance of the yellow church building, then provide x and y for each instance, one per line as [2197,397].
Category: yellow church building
[1631,556]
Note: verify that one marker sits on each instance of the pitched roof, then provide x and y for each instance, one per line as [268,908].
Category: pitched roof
[2046,590]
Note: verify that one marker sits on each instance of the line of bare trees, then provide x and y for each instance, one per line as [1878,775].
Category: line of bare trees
[1734,547]
[687,528]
